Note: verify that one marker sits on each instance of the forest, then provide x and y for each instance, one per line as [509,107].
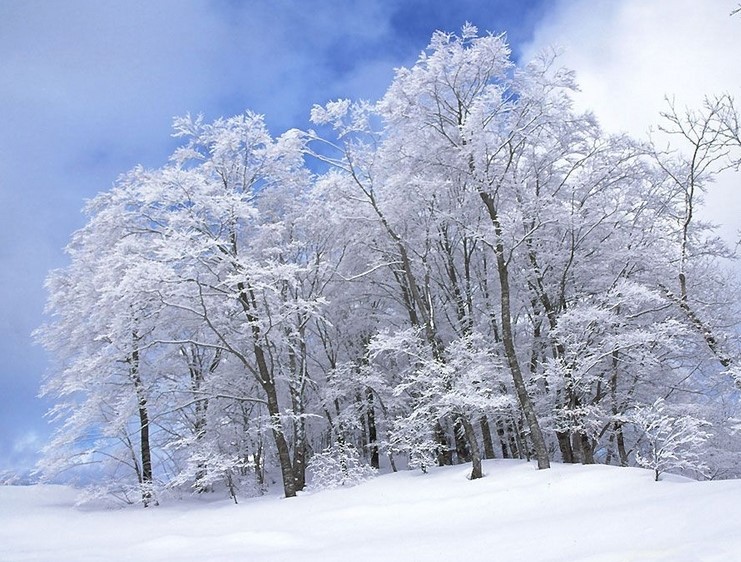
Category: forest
[468,268]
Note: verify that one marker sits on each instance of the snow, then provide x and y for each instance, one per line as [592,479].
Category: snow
[569,513]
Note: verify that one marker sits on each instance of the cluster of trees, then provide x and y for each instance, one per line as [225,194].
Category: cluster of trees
[468,268]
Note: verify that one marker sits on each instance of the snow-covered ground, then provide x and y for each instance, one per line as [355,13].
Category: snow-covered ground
[568,513]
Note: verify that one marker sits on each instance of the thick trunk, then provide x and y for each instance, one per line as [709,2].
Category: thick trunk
[473,445]
[486,433]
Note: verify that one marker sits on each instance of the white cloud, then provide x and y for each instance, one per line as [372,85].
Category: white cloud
[629,55]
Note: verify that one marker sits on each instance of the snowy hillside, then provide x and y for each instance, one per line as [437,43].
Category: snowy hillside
[571,512]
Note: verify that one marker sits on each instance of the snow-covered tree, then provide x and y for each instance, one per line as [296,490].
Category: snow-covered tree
[673,440]
[474,267]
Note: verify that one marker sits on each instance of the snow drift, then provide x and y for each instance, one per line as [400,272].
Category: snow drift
[571,512]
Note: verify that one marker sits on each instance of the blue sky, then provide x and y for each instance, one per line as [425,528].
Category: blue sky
[88,89]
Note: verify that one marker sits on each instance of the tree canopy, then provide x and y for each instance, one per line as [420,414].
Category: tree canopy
[467,268]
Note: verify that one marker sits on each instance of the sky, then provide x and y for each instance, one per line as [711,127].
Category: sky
[89,88]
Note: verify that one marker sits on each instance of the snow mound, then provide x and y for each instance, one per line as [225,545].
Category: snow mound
[569,513]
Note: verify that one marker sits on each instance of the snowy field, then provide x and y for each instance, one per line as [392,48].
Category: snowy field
[569,513]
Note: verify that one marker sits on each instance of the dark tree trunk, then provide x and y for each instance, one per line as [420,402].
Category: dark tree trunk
[146,475]
[510,351]
[363,436]
[564,444]
[622,452]
[259,467]
[587,449]
[502,439]
[473,446]
[486,433]
[284,454]
[617,426]
[297,361]
[265,378]
[299,446]
[372,432]
[444,454]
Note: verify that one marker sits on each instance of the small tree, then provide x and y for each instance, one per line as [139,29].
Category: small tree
[673,441]
[337,466]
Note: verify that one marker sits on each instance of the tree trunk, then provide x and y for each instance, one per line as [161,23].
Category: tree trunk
[265,378]
[297,361]
[510,351]
[276,425]
[564,444]
[197,379]
[444,454]
[503,439]
[462,451]
[259,467]
[147,476]
[299,444]
[618,426]
[473,446]
[372,432]
[518,440]
[587,449]
[299,464]
[486,433]
[145,449]
[622,452]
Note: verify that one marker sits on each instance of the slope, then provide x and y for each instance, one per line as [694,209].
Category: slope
[569,513]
